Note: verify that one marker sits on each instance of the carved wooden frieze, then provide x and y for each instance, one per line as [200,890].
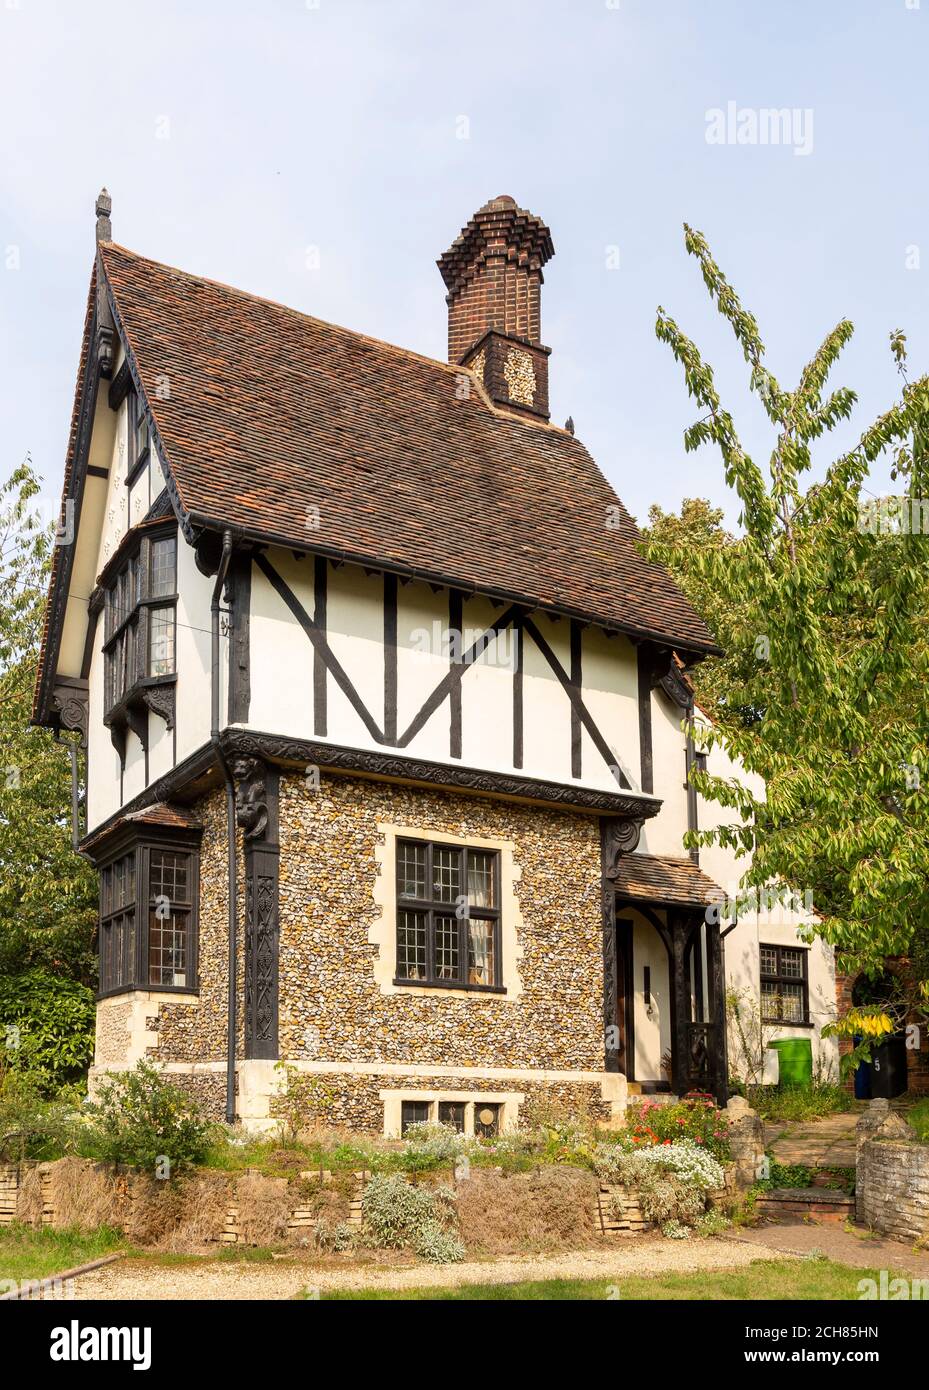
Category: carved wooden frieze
[261,955]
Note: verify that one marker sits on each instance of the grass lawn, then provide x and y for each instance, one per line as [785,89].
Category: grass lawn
[918,1117]
[27,1253]
[764,1279]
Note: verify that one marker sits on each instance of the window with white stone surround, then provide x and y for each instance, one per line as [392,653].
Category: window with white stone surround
[448,916]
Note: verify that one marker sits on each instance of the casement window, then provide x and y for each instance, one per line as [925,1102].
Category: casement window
[481,1119]
[452,1113]
[414,1112]
[448,916]
[148,917]
[139,442]
[139,625]
[486,1120]
[785,991]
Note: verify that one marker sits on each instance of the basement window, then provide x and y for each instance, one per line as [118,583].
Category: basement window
[414,1112]
[448,916]
[470,1116]
[452,1113]
[148,915]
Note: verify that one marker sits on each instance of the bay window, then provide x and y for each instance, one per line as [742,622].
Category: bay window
[140,601]
[148,914]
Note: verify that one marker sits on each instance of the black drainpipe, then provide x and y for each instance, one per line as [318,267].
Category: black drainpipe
[691,759]
[75,796]
[230,826]
[74,754]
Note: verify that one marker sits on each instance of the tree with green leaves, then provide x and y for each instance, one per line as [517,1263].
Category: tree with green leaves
[47,892]
[821,604]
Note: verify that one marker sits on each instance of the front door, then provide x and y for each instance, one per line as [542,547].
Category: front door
[625,1018]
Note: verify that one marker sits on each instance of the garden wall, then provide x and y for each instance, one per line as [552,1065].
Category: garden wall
[247,1208]
[892,1175]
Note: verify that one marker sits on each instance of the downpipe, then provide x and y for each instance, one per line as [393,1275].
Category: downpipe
[232,1001]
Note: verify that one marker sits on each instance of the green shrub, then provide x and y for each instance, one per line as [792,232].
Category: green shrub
[46,1028]
[140,1118]
[432,1146]
[399,1216]
[712,1223]
[30,1125]
[786,1175]
[675,1230]
[439,1245]
[918,1117]
[798,1102]
[670,1180]
[338,1237]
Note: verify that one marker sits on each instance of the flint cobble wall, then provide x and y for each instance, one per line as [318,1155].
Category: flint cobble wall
[331,1006]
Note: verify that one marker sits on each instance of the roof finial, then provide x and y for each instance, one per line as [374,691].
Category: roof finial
[103,209]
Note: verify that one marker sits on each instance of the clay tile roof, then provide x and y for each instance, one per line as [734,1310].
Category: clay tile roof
[161,813]
[271,414]
[661,879]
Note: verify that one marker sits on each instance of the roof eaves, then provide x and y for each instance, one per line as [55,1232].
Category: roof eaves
[632,630]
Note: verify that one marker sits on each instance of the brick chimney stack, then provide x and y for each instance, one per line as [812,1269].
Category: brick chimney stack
[493,274]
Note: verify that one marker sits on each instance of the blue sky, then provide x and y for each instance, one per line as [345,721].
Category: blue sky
[233,136]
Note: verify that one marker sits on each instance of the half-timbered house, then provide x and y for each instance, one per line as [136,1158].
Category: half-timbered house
[385,716]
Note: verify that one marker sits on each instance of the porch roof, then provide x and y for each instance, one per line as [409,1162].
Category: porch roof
[162,815]
[659,878]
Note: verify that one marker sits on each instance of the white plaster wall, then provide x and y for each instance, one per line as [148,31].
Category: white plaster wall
[610,685]
[282,677]
[422,662]
[653,1026]
[664,834]
[281,654]
[102,758]
[778,926]
[115,522]
[193,646]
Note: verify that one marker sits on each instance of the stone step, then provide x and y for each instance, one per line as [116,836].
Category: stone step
[801,1203]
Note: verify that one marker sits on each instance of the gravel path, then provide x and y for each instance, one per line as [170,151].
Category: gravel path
[137,1279]
[856,1247]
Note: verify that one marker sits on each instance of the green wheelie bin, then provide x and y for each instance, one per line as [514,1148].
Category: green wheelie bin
[794,1061]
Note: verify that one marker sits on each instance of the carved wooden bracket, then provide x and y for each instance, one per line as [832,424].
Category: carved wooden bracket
[619,837]
[71,704]
[668,675]
[251,797]
[160,700]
